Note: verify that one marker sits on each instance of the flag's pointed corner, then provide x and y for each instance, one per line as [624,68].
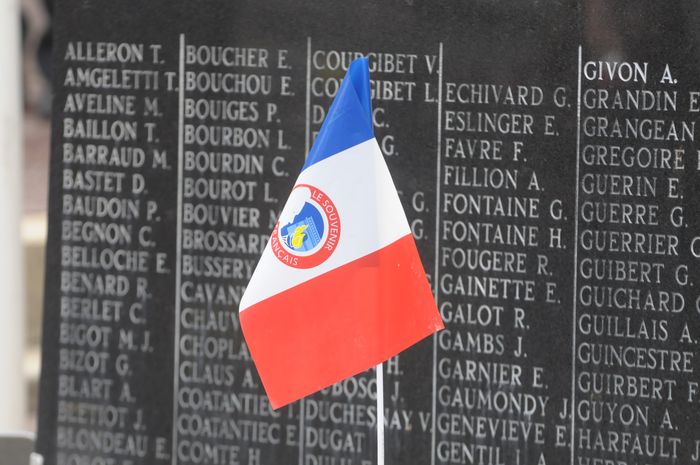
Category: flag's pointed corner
[358,72]
[349,119]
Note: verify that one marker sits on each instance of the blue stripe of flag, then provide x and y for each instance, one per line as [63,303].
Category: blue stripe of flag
[349,119]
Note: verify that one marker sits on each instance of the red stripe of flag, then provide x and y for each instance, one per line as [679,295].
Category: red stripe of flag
[339,323]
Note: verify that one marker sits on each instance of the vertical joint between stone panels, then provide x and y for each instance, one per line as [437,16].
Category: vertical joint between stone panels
[436,272]
[178,240]
[575,274]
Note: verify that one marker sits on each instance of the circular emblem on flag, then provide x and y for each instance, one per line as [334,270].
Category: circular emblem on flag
[308,230]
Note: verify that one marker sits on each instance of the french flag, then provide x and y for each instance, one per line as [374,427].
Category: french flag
[340,287]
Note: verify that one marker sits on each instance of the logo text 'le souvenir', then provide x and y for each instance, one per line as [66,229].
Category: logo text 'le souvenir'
[308,230]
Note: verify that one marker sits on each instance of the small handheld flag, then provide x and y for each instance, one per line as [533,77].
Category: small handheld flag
[340,287]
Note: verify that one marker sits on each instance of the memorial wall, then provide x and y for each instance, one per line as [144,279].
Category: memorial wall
[545,153]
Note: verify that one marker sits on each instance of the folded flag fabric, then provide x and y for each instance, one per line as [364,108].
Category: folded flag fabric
[340,286]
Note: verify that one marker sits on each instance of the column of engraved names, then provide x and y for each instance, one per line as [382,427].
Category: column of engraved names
[636,338]
[112,256]
[340,422]
[506,187]
[235,156]
[404,100]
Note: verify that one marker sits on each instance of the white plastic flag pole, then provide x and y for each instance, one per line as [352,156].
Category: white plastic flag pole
[380,414]
[12,395]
